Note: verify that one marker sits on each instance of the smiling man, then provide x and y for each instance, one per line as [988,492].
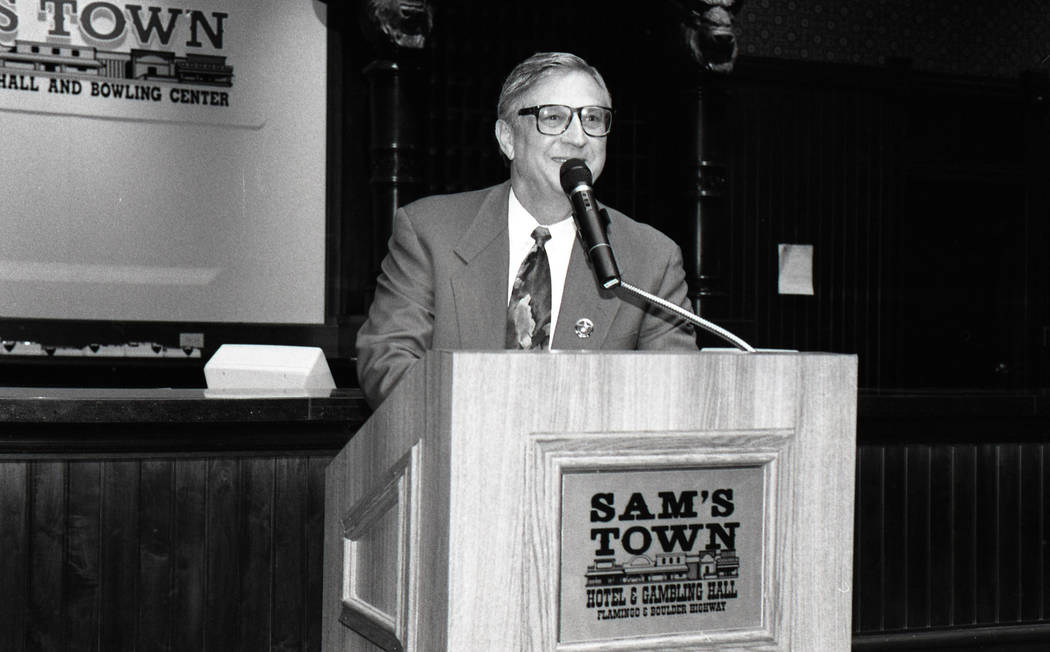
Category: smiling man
[502,267]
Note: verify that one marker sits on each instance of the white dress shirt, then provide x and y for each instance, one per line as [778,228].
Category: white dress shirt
[520,225]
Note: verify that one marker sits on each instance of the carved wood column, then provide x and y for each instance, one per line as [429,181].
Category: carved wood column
[397,31]
[706,224]
[706,31]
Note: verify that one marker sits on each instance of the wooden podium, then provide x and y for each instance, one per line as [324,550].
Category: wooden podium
[598,501]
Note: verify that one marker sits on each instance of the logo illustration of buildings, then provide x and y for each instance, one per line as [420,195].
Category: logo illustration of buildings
[713,563]
[136,64]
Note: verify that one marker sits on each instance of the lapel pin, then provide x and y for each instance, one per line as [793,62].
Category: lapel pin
[584,328]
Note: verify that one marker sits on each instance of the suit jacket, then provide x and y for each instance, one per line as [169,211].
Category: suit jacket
[443,285]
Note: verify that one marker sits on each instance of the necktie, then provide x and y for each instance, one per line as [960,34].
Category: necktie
[529,311]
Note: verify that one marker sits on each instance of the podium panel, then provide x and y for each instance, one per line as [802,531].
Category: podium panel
[597,501]
[661,541]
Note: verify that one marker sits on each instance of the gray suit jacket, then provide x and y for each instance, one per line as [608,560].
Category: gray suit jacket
[444,286]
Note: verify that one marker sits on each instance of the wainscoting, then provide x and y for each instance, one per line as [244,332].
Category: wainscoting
[952,522]
[162,554]
[164,520]
[196,524]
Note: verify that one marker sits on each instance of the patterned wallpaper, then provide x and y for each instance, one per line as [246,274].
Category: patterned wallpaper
[994,38]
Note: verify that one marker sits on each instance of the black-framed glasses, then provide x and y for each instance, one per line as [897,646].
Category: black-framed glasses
[554,119]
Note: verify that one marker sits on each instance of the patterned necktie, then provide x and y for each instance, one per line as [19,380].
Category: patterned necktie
[529,311]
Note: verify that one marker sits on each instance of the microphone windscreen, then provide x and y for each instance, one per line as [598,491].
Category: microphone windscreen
[573,173]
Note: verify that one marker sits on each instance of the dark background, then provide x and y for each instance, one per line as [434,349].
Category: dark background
[909,153]
[909,143]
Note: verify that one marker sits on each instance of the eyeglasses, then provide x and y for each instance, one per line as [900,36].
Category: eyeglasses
[554,119]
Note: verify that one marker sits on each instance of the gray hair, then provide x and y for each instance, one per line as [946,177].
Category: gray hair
[535,68]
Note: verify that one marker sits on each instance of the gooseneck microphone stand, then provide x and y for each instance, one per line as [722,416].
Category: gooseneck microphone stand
[688,316]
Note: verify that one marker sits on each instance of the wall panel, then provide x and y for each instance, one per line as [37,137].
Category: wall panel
[963,536]
[162,553]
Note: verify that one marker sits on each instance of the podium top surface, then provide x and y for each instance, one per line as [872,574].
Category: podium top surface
[503,391]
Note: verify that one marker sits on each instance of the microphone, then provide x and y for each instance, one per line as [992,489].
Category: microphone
[576,181]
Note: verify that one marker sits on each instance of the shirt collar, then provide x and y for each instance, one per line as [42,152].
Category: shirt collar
[521,223]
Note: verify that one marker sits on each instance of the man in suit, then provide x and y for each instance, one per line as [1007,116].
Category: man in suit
[451,266]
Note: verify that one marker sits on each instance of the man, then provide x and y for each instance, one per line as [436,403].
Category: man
[457,261]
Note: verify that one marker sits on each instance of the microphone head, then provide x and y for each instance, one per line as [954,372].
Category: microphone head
[573,173]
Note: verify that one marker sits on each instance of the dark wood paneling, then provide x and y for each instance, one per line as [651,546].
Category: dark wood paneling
[1008,534]
[942,504]
[223,521]
[82,577]
[1043,567]
[314,558]
[956,483]
[950,535]
[46,541]
[162,554]
[1032,533]
[291,554]
[256,543]
[963,548]
[894,534]
[189,548]
[156,558]
[985,531]
[14,560]
[119,542]
[869,558]
[915,540]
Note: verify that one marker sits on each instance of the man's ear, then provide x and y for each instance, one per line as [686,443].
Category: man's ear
[505,138]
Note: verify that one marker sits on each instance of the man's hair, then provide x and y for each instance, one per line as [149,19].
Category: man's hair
[537,67]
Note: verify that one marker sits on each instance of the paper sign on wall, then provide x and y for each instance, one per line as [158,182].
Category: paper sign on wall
[796,269]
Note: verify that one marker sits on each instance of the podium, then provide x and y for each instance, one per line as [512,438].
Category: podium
[597,501]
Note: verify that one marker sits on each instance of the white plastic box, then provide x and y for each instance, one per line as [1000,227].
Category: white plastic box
[257,366]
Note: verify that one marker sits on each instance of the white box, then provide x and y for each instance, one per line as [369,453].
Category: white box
[257,366]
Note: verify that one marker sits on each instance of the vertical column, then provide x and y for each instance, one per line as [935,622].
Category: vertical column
[395,90]
[397,31]
[706,194]
[707,34]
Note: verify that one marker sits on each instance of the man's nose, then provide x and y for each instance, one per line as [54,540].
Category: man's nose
[575,134]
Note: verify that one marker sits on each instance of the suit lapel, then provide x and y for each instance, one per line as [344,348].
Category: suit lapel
[479,289]
[583,299]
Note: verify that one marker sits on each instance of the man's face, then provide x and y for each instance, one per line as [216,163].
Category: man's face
[536,158]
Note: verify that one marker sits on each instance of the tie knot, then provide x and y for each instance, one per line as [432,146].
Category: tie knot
[541,235]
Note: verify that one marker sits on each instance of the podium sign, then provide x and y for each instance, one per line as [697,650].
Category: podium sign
[676,550]
[590,501]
